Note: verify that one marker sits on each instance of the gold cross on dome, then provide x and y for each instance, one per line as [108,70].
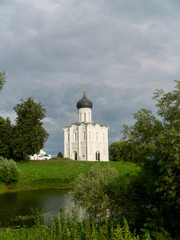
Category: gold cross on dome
[84,88]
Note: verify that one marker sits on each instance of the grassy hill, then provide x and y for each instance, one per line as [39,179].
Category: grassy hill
[56,173]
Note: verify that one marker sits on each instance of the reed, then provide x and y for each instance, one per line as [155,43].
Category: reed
[66,227]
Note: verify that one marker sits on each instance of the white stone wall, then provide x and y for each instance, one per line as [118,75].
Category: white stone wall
[84,115]
[87,140]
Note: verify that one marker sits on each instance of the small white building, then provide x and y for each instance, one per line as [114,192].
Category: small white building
[86,140]
[40,156]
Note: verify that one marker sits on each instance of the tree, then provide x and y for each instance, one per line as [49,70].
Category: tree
[115,152]
[60,155]
[29,134]
[6,133]
[119,151]
[2,79]
[156,143]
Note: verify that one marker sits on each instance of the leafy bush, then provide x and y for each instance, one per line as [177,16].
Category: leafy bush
[9,171]
[96,191]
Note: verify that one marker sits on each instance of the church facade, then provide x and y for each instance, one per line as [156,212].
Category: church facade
[86,140]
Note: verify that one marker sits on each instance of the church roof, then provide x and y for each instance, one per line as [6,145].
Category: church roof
[84,102]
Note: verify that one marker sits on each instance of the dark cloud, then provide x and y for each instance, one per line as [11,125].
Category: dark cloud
[122,50]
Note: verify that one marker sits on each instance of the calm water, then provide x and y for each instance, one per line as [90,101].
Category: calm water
[47,201]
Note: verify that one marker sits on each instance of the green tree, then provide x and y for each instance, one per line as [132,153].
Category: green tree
[6,132]
[156,144]
[29,134]
[115,152]
[60,155]
[119,151]
[2,79]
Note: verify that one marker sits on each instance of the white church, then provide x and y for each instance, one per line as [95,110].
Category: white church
[85,140]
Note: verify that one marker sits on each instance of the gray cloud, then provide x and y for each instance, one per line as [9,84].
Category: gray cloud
[122,50]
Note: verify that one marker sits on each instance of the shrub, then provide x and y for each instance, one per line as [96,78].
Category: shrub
[95,191]
[9,171]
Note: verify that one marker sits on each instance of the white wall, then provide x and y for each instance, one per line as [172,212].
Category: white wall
[86,140]
[85,115]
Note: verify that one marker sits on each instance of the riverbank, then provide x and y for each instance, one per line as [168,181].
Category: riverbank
[58,173]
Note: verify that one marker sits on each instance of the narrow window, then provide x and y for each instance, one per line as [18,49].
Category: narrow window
[84,117]
[84,135]
[75,136]
[90,136]
[96,136]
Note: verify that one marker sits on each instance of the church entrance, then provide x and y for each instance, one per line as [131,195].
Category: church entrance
[97,156]
[75,155]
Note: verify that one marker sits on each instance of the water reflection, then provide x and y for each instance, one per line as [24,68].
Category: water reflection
[47,201]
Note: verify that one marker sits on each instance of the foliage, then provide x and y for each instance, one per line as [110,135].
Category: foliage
[29,134]
[5,139]
[156,144]
[9,172]
[119,151]
[69,227]
[2,79]
[95,191]
[60,155]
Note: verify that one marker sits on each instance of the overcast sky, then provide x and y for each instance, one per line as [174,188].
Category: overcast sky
[123,50]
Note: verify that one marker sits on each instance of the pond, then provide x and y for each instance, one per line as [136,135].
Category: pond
[47,201]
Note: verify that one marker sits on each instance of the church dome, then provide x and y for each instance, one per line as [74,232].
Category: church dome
[84,102]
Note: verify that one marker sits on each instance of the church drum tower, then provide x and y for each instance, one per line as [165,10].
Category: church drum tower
[86,140]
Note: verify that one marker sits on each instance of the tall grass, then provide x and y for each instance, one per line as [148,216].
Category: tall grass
[66,227]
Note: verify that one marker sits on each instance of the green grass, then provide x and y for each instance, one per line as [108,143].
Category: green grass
[60,173]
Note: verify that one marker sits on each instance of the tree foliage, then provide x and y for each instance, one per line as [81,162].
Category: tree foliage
[60,155]
[119,151]
[155,142]
[9,172]
[2,79]
[29,133]
[6,130]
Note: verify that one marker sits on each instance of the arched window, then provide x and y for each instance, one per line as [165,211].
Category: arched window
[84,135]
[84,117]
[97,156]
[75,155]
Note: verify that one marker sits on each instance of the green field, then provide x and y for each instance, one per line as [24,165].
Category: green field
[56,173]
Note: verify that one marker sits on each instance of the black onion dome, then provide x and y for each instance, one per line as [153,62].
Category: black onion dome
[84,103]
